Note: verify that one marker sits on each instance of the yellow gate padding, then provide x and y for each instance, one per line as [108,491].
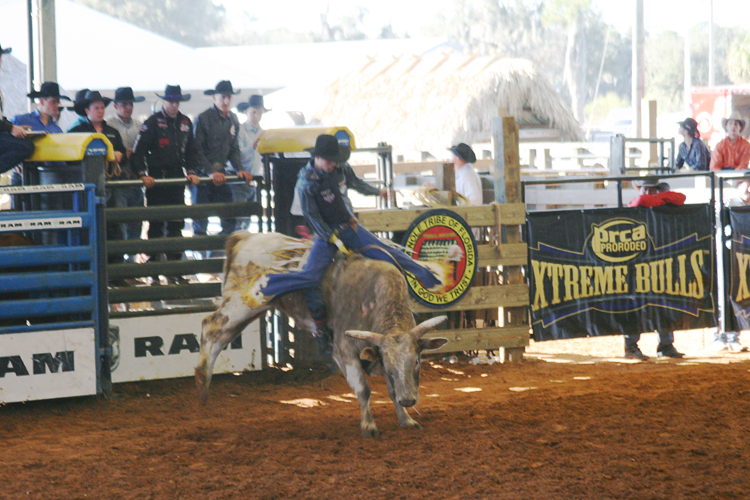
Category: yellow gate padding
[298,139]
[68,147]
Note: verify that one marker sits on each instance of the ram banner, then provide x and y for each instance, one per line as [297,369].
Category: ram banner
[620,271]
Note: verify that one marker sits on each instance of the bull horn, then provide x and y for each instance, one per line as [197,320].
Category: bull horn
[371,337]
[426,326]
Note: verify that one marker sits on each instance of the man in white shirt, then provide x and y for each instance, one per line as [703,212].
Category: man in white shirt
[248,138]
[468,182]
[128,127]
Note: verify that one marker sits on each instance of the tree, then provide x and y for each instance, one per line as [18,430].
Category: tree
[576,15]
[665,73]
[192,22]
[738,61]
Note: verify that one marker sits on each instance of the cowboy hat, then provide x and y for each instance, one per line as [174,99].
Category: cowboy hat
[328,148]
[5,51]
[173,93]
[224,87]
[464,152]
[652,182]
[79,102]
[93,96]
[691,126]
[256,101]
[736,117]
[48,89]
[125,95]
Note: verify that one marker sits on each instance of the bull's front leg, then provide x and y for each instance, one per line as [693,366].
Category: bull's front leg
[404,419]
[355,376]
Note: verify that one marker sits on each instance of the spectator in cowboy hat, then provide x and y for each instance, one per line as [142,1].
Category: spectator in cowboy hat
[249,137]
[216,136]
[14,147]
[79,108]
[42,119]
[94,105]
[468,182]
[165,149]
[693,150]
[122,120]
[733,152]
[654,193]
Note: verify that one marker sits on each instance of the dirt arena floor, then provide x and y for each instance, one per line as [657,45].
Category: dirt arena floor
[572,421]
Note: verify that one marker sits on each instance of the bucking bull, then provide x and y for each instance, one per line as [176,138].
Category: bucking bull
[368,310]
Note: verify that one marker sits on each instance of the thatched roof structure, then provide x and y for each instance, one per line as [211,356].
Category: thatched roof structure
[428,102]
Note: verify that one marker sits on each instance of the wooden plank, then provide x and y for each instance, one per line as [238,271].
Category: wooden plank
[513,254]
[483,297]
[482,338]
[400,220]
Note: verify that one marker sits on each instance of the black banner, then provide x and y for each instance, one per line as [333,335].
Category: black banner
[739,291]
[620,271]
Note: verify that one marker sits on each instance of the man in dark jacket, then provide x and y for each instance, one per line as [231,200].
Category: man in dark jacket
[216,136]
[94,105]
[165,149]
[14,147]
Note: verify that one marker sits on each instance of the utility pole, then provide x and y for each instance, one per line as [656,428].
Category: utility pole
[711,81]
[688,75]
[42,42]
[638,69]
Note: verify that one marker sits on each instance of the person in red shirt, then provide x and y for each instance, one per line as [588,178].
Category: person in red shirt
[733,152]
[653,194]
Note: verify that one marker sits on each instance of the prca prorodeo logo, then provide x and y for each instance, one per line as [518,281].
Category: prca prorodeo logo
[619,240]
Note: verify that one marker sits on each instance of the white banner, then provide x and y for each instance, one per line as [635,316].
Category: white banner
[51,223]
[57,188]
[47,365]
[157,347]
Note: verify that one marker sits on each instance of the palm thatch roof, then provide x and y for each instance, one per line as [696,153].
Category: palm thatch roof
[428,102]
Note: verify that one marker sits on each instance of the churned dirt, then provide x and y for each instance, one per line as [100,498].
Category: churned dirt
[564,423]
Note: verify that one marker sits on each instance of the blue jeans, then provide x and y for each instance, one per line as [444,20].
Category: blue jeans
[128,197]
[665,338]
[210,193]
[13,151]
[242,193]
[321,256]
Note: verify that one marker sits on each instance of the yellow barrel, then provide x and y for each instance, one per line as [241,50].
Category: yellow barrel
[71,147]
[298,139]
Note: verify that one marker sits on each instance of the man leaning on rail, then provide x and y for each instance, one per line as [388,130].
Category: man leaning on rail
[165,149]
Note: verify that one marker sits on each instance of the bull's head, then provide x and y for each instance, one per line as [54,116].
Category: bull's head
[399,354]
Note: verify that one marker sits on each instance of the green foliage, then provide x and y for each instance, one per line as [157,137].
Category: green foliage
[738,61]
[665,70]
[723,38]
[603,105]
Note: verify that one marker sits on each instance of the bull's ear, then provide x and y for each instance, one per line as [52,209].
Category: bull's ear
[428,325]
[432,344]
[371,337]
[369,354]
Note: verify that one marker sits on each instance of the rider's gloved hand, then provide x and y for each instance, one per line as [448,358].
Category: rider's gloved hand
[339,244]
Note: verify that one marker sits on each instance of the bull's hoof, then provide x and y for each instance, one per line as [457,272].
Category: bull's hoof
[369,431]
[412,425]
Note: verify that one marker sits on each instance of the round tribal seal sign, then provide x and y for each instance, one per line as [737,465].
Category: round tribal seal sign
[442,236]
